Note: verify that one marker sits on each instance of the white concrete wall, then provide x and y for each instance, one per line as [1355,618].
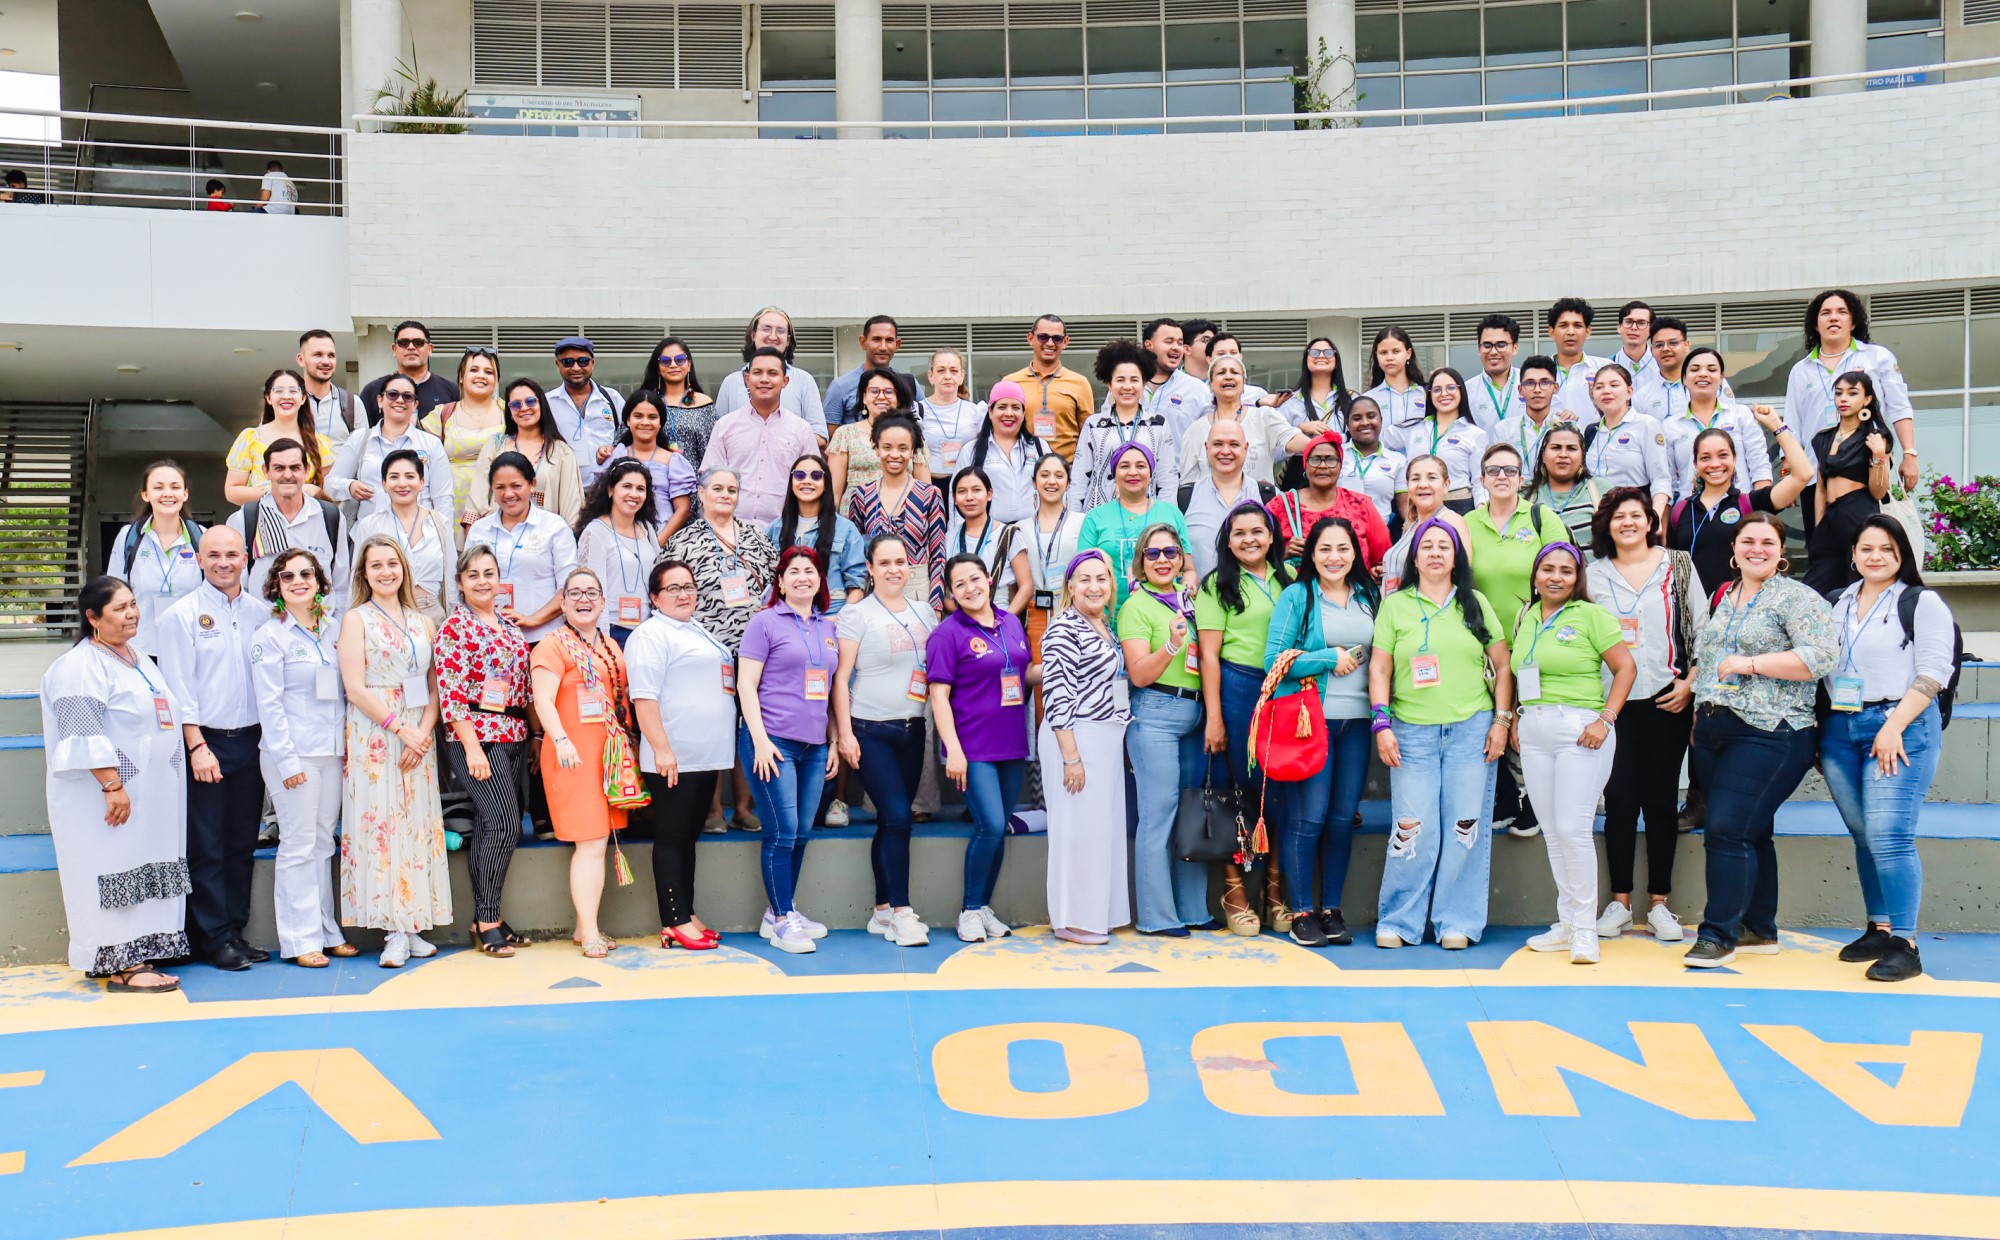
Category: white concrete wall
[1739,200]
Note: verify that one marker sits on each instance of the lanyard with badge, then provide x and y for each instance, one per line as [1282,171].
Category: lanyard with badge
[1046,599]
[1845,693]
[818,677]
[1737,617]
[920,682]
[1045,420]
[166,556]
[1493,396]
[326,677]
[1628,617]
[416,685]
[1425,670]
[1727,510]
[735,585]
[1528,680]
[631,606]
[953,439]
[163,710]
[1179,606]
[591,698]
[1606,433]
[503,594]
[496,690]
[1011,692]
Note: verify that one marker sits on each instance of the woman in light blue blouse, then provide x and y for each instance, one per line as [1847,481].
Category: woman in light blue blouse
[807,520]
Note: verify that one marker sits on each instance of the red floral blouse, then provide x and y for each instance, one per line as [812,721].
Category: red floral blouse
[468,653]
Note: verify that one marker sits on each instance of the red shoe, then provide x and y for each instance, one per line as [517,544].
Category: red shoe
[674,937]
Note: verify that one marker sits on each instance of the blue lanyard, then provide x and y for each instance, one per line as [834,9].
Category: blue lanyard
[1848,636]
[1701,518]
[1049,547]
[733,561]
[314,639]
[134,665]
[1604,434]
[979,548]
[1428,616]
[706,636]
[619,549]
[918,646]
[1401,402]
[1737,617]
[815,652]
[514,547]
[1546,626]
[1257,581]
[999,641]
[407,635]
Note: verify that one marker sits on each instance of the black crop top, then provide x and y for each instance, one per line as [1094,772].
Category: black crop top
[1853,460]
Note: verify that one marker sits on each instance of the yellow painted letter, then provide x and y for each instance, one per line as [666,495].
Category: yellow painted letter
[338,1080]
[1389,1076]
[1107,1072]
[11,1161]
[1678,1069]
[1936,1085]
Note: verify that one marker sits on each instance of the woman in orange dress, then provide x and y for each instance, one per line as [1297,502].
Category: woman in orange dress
[580,689]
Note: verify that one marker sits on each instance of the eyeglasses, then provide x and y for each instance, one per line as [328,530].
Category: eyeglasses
[399,398]
[1502,471]
[808,475]
[678,588]
[523,406]
[1049,338]
[1322,462]
[1162,553]
[673,359]
[583,596]
[297,574]
[1441,388]
[1493,346]
[1635,320]
[573,363]
[411,342]
[1322,353]
[1537,383]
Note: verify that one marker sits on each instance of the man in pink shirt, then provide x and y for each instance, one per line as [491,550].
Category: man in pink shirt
[760,441]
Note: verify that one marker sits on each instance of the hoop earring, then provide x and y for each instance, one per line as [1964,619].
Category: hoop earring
[1784,565]
[1732,561]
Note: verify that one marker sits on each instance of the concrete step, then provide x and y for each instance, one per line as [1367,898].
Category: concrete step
[20,713]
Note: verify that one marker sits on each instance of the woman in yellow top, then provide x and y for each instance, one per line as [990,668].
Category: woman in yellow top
[471,423]
[286,416]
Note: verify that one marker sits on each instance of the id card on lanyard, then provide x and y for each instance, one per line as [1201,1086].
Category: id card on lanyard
[1426,669]
[1844,691]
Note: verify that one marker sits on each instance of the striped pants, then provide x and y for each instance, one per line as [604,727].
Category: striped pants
[496,825]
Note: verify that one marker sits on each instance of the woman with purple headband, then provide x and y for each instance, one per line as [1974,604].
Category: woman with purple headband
[1083,756]
[1562,644]
[1114,527]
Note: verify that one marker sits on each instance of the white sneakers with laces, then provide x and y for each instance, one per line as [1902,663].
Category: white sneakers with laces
[1615,920]
[1666,927]
[1555,939]
[970,928]
[1583,946]
[793,935]
[995,928]
[882,921]
[908,930]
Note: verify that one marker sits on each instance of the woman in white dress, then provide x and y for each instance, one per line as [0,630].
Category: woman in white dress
[1083,758]
[117,795]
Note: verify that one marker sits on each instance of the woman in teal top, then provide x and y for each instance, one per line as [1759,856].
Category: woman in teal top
[1326,623]
[1439,726]
[1114,528]
[1232,615]
[1562,644]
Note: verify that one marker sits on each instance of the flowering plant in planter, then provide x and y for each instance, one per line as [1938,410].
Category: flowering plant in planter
[1962,524]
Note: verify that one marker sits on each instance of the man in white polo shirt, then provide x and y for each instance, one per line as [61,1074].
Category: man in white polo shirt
[1837,342]
[1494,394]
[1569,324]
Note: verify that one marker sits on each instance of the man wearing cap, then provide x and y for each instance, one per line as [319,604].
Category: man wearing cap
[586,410]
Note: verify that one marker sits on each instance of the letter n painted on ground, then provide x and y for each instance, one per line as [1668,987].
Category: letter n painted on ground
[1677,1070]
[1389,1075]
[339,1081]
[11,1161]
[1936,1085]
[1107,1071]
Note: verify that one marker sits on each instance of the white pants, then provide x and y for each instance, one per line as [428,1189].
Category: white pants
[308,915]
[1564,781]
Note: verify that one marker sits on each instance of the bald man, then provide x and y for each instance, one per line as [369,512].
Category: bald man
[1207,501]
[204,653]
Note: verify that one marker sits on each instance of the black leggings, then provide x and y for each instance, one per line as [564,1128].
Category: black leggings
[678,813]
[496,820]
[1645,778]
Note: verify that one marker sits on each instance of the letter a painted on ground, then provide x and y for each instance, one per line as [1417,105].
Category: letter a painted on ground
[339,1081]
[1389,1075]
[1107,1071]
[1678,1069]
[1936,1085]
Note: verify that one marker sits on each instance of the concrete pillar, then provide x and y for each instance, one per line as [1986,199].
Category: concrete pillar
[857,64]
[1839,31]
[375,44]
[1332,22]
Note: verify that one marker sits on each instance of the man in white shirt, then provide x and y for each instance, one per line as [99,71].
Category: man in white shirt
[1569,323]
[1635,330]
[1536,417]
[287,517]
[772,329]
[1837,342]
[204,655]
[588,412]
[759,443]
[1494,394]
[276,193]
[337,412]
[1207,501]
[1178,396]
[356,475]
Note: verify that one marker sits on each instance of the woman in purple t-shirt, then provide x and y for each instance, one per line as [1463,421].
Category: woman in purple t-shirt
[784,680]
[977,661]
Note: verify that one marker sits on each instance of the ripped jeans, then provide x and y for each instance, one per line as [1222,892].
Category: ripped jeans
[1440,833]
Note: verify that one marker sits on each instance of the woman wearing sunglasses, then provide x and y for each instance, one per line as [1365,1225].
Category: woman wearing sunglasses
[531,430]
[690,412]
[809,520]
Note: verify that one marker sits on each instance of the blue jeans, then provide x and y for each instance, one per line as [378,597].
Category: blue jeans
[1441,842]
[1321,819]
[1748,773]
[991,788]
[892,757]
[1241,686]
[786,804]
[1164,743]
[1881,813]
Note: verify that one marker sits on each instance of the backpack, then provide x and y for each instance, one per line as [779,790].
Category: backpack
[135,533]
[350,407]
[1906,611]
[330,513]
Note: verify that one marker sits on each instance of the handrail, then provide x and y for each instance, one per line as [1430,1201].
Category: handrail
[178,122]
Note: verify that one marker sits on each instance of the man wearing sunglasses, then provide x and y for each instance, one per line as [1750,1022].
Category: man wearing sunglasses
[287,517]
[1059,399]
[411,342]
[589,413]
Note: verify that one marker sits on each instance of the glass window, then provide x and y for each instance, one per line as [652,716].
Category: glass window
[1378,43]
[1379,94]
[1048,105]
[1986,352]
[1620,77]
[1771,64]
[968,58]
[1203,52]
[796,105]
[1984,428]
[1692,25]
[1885,15]
[1046,57]
[1125,54]
[1600,29]
[1274,49]
[1447,40]
[1531,34]
[1216,99]
[970,105]
[903,60]
[1522,86]
[1941,433]
[1267,99]
[906,105]
[1141,102]
[1683,72]
[1759,363]
[1771,21]
[797,57]
[1439,90]
[1932,355]
[1899,51]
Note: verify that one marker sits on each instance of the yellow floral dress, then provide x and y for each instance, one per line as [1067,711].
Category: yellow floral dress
[247,453]
[463,444]
[393,870]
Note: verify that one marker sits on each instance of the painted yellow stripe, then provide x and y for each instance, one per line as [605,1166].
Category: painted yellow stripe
[1148,1202]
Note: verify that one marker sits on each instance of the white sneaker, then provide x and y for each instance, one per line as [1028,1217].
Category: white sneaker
[815,928]
[883,922]
[1615,920]
[1583,946]
[420,947]
[1666,927]
[995,928]
[1389,938]
[909,930]
[971,927]
[769,927]
[836,814]
[1528,832]
[395,950]
[792,936]
[1555,940]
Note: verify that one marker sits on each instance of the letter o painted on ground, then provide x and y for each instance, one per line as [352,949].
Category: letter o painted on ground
[1107,1071]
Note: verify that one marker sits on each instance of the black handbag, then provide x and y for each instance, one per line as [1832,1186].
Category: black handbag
[1206,823]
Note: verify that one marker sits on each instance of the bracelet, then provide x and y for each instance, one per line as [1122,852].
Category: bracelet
[1610,720]
[1503,716]
[116,785]
[1072,761]
[1379,711]
[1380,725]
[1909,452]
[196,748]
[1753,665]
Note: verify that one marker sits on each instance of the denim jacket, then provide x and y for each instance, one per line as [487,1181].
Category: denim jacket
[1295,625]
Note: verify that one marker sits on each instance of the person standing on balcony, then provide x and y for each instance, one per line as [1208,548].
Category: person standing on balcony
[17,190]
[276,194]
[879,344]
[772,329]
[287,517]
[205,661]
[357,470]
[1569,323]
[412,343]
[1059,399]
[336,411]
[587,412]
[155,553]
[760,446]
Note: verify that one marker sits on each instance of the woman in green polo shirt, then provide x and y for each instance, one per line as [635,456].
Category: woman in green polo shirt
[1114,527]
[1562,643]
[1439,726]
[1232,616]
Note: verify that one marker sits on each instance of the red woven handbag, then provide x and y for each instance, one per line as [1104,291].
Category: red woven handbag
[1288,733]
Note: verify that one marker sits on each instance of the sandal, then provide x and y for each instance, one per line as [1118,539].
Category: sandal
[312,960]
[1276,912]
[597,947]
[124,982]
[514,937]
[610,944]
[1236,905]
[343,950]
[493,941]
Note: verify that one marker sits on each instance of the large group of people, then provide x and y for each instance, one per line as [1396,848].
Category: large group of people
[1520,592]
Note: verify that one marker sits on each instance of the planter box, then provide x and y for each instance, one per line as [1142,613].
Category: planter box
[1974,597]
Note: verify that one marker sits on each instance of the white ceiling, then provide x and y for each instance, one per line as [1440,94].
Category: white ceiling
[29,28]
[282,68]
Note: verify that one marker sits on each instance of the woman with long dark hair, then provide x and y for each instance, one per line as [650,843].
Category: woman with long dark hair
[1322,394]
[1704,524]
[1561,479]
[1001,545]
[690,411]
[1008,453]
[850,453]
[1447,432]
[617,538]
[809,519]
[287,414]
[1396,382]
[531,430]
[1854,470]
[673,473]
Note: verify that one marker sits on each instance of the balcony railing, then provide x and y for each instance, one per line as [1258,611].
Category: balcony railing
[122,159]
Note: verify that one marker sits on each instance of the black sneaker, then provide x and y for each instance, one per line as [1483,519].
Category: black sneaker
[1899,963]
[1306,931]
[1708,954]
[1750,943]
[1334,927]
[1871,946]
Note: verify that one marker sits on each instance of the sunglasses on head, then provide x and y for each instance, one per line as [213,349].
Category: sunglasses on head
[480,350]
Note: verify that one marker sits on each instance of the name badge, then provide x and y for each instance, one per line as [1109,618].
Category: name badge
[629,612]
[589,705]
[1424,671]
[1193,660]
[736,590]
[1628,626]
[1846,693]
[503,595]
[1010,689]
[729,678]
[326,684]
[1528,682]
[1045,425]
[920,684]
[163,710]
[1045,599]
[817,682]
[493,694]
[949,450]
[416,690]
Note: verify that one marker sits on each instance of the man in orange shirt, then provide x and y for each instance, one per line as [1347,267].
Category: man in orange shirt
[1059,399]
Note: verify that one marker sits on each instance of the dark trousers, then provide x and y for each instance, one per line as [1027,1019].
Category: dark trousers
[678,813]
[1645,779]
[496,820]
[222,821]
[892,759]
[1748,773]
